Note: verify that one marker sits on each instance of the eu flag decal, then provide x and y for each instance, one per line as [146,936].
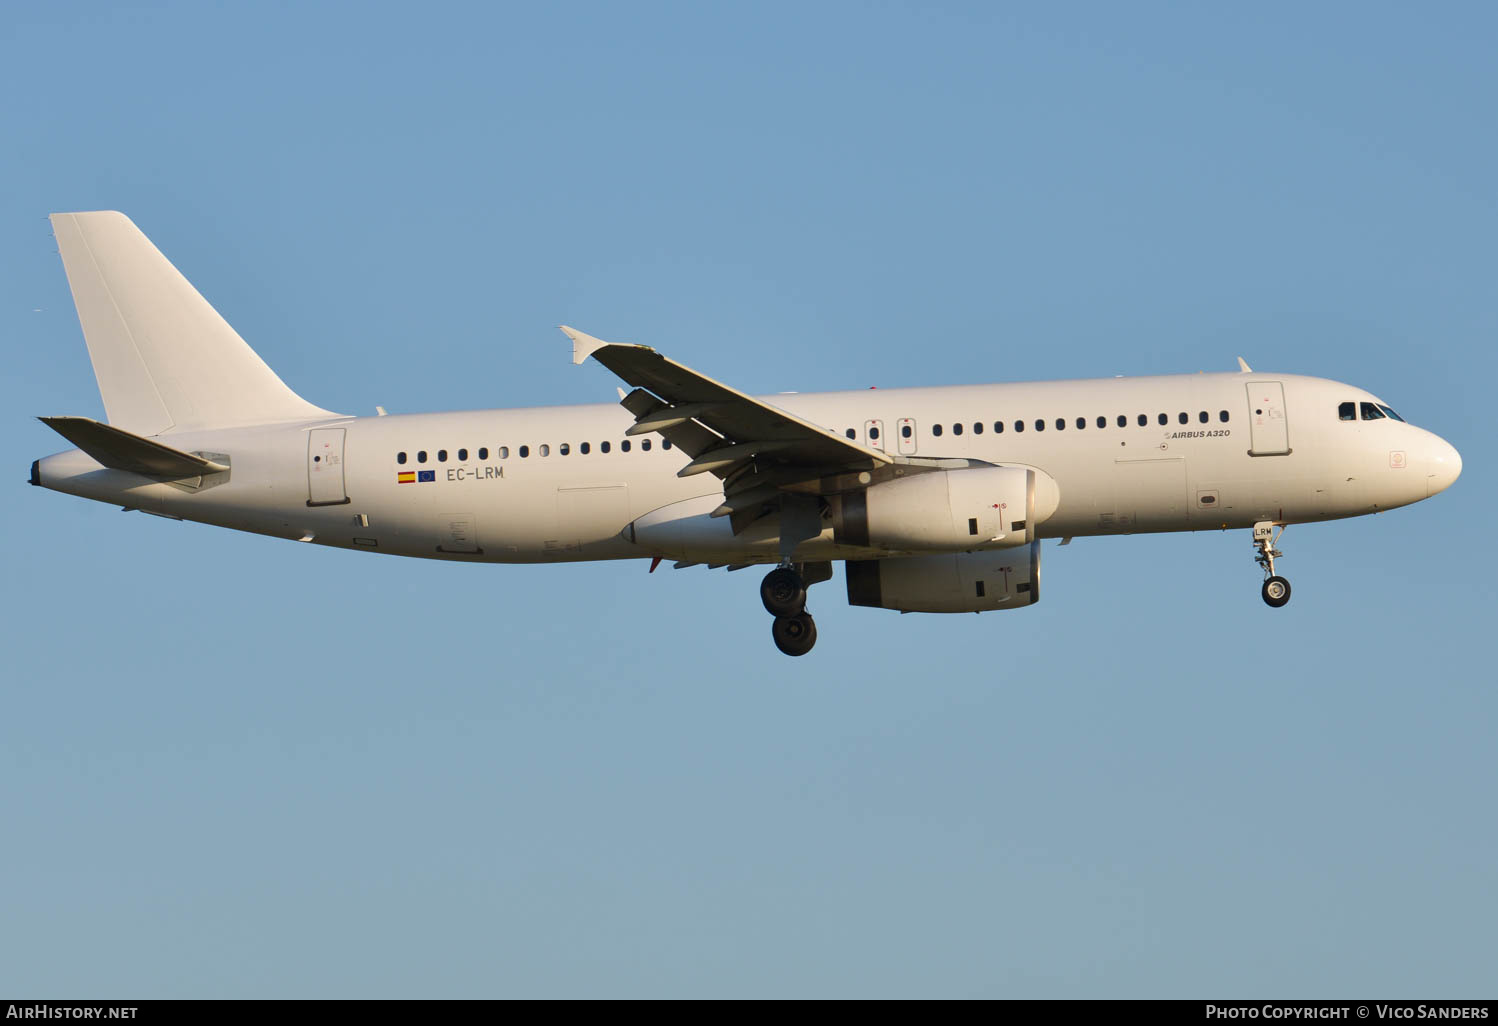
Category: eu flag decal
[423,476]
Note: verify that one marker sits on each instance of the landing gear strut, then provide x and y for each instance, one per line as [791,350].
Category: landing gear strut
[783,592]
[1276,590]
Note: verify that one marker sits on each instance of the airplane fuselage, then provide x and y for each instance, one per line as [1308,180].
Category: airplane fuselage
[1128,455]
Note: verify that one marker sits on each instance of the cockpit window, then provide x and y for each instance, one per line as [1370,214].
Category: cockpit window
[1372,412]
[1347,411]
[1391,413]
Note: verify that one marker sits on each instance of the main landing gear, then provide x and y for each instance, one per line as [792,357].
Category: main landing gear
[783,592]
[1276,590]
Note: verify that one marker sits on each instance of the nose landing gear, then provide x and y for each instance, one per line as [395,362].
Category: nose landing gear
[783,592]
[1276,590]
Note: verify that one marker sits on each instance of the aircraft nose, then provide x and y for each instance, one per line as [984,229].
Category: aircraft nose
[1442,467]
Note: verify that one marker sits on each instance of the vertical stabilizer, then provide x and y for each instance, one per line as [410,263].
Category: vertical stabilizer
[164,358]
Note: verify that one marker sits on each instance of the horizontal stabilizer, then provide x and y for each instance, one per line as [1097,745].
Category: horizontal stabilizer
[120,450]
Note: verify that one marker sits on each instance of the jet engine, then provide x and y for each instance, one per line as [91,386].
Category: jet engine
[981,507]
[959,582]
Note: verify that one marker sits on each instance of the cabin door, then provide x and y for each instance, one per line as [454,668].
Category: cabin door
[1269,432]
[325,467]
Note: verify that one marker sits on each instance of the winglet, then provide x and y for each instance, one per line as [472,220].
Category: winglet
[583,346]
[1243,368]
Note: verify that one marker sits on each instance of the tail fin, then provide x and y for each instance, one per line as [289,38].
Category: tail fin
[164,359]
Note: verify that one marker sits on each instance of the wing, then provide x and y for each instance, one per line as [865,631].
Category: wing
[756,449]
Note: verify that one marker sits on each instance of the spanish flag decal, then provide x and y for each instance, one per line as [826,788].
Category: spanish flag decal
[405,477]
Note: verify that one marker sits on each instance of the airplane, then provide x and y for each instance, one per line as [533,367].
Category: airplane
[935,499]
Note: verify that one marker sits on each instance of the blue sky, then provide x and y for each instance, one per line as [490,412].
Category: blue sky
[231,766]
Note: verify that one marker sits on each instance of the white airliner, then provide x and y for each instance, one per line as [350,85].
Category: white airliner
[936,499]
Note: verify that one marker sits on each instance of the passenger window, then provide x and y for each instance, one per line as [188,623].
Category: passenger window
[1081,423]
[1183,418]
[421,457]
[665,443]
[874,433]
[1123,421]
[583,448]
[483,452]
[977,427]
[1222,415]
[400,457]
[1144,419]
[644,445]
[504,452]
[905,431]
[936,430]
[1347,411]
[1164,419]
[564,449]
[462,455]
[604,446]
[851,433]
[1202,416]
[1102,422]
[1372,412]
[956,429]
[1019,425]
[1039,424]
[441,455]
[1060,423]
[624,445]
[525,451]
[543,450]
[998,427]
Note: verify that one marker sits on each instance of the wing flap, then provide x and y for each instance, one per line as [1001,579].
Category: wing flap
[687,435]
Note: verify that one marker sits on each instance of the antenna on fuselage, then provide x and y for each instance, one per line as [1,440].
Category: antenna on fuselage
[1244,368]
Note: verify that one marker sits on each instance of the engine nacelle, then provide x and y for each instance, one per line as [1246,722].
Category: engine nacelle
[959,582]
[949,510]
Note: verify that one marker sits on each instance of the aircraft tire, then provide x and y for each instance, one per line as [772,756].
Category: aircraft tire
[783,592]
[1276,592]
[794,635]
